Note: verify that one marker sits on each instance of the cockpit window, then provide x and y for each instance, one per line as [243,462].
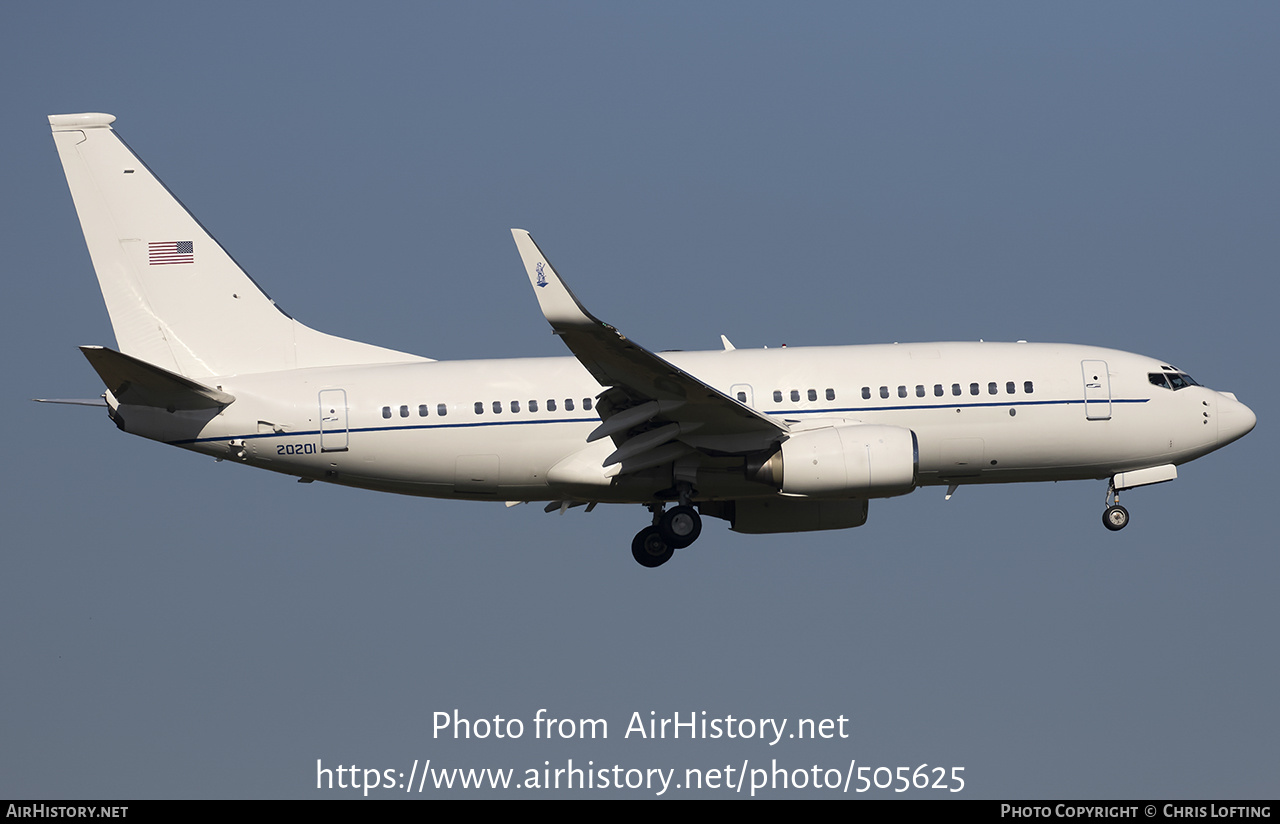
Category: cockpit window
[1171,379]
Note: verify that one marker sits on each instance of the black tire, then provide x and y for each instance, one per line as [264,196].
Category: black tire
[1115,518]
[650,548]
[681,526]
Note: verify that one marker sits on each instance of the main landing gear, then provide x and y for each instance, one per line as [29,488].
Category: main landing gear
[1115,517]
[673,529]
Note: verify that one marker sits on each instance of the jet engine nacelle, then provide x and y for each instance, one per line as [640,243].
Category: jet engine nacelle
[849,460]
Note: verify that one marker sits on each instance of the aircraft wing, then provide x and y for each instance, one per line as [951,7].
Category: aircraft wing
[654,411]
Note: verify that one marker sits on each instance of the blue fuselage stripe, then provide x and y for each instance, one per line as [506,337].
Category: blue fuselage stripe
[782,413]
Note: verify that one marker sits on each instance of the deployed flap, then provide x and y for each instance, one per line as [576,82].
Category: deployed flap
[638,376]
[139,383]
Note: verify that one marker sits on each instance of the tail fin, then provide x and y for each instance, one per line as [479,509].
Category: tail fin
[176,298]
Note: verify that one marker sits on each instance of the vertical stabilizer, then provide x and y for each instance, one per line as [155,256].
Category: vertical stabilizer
[176,298]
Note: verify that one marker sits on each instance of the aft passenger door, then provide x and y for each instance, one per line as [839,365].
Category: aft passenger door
[1097,390]
[333,420]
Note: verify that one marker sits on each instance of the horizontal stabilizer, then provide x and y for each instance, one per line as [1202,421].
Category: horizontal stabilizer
[138,383]
[73,401]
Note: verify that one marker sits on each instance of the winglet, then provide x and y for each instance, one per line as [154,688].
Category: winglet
[558,304]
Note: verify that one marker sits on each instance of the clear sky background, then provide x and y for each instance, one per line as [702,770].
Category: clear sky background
[814,174]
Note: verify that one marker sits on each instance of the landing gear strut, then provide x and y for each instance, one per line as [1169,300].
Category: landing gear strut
[1116,517]
[673,529]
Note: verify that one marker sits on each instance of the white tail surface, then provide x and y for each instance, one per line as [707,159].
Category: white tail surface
[176,298]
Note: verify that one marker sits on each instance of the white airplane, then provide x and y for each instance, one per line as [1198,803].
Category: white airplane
[771,440]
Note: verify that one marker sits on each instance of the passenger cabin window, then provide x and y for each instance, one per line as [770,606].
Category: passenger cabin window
[515,406]
[1009,387]
[386,411]
[813,394]
[884,391]
[568,404]
[919,390]
[993,388]
[404,411]
[831,394]
[866,393]
[955,389]
[1028,387]
[497,407]
[442,409]
[586,404]
[551,404]
[937,390]
[479,407]
[902,391]
[973,389]
[533,406]
[423,410]
[795,395]
[742,397]
[777,396]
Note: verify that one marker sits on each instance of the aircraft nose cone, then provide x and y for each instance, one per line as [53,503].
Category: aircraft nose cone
[1235,420]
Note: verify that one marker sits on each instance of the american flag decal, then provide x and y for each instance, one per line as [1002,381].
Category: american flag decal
[170,251]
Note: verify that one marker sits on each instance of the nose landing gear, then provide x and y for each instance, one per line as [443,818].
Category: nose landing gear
[1115,517]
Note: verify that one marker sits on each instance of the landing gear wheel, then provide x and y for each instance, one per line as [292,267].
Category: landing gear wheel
[680,525]
[1115,518]
[650,548]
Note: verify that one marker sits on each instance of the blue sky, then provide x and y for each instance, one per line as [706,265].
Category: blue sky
[821,174]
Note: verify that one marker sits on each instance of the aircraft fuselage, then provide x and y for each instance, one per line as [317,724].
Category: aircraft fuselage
[770,440]
[498,429]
